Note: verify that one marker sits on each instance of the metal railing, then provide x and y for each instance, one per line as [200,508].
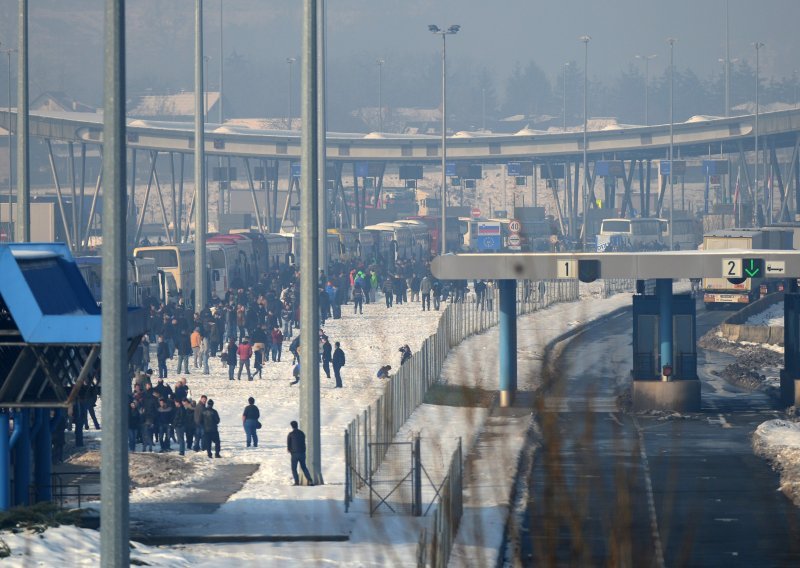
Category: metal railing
[446,518]
[406,389]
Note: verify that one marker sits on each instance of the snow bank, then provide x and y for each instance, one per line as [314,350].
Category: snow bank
[73,546]
[779,442]
[772,316]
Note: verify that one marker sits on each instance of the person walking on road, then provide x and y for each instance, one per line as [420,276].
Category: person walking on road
[244,352]
[210,429]
[338,362]
[250,422]
[425,287]
[296,446]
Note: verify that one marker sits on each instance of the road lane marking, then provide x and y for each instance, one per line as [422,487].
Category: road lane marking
[651,503]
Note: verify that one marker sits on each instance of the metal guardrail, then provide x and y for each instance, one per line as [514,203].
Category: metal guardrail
[67,489]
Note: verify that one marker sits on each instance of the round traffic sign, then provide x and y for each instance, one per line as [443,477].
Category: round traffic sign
[514,226]
[476,212]
[514,240]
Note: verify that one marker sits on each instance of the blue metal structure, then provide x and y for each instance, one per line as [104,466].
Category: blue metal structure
[50,333]
[508,341]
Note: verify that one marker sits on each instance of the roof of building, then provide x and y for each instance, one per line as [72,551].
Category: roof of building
[179,104]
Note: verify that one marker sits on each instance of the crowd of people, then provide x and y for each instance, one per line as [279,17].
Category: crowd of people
[248,329]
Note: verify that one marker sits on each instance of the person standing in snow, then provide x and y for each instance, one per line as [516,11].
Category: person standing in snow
[296,447]
[250,417]
[210,429]
[338,362]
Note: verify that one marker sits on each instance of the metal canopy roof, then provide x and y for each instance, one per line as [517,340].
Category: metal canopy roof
[693,138]
[636,265]
[50,326]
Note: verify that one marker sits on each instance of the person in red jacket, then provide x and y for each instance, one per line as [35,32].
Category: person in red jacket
[245,351]
[277,344]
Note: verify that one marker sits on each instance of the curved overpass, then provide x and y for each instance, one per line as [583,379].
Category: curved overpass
[697,137]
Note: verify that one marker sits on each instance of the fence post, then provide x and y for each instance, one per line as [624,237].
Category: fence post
[347,477]
[417,498]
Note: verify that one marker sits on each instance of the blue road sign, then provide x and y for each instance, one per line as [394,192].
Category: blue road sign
[485,244]
[514,168]
[362,169]
[450,169]
[296,169]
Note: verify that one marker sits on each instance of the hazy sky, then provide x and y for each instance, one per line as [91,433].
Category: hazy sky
[494,33]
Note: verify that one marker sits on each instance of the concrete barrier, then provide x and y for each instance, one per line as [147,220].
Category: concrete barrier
[677,396]
[733,328]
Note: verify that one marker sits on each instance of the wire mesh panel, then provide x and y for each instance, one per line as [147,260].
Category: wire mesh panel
[391,483]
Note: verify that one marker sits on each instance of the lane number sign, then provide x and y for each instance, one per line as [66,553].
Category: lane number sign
[731,267]
[567,268]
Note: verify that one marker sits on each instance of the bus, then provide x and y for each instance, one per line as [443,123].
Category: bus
[686,234]
[176,260]
[630,234]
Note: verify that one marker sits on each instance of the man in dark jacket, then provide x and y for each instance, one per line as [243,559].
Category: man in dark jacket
[210,431]
[338,362]
[163,421]
[181,417]
[326,356]
[198,423]
[162,354]
[250,417]
[184,351]
[296,446]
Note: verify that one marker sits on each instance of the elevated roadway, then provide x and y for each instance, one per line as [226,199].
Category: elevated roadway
[700,136]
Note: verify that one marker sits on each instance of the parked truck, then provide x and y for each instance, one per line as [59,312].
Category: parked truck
[720,292]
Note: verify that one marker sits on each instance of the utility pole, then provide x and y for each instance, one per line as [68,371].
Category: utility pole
[322,129]
[380,63]
[758,45]
[23,228]
[201,199]
[290,61]
[585,39]
[671,42]
[114,482]
[646,59]
[309,226]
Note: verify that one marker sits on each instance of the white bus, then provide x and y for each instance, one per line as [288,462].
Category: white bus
[630,234]
[177,260]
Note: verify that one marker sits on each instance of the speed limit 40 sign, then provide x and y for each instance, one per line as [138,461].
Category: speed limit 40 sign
[514,226]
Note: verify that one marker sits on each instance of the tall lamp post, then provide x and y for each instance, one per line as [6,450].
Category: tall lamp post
[380,63]
[726,79]
[22,231]
[671,41]
[564,105]
[221,65]
[646,59]
[290,61]
[758,45]
[585,39]
[452,30]
[8,53]
[201,199]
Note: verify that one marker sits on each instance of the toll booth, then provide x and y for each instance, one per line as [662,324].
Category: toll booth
[790,374]
[50,336]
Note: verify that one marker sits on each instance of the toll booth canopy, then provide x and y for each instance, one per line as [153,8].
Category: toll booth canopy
[50,327]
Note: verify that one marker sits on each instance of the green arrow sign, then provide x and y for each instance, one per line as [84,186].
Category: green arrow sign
[752,268]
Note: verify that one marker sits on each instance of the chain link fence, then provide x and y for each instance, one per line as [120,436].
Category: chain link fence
[406,389]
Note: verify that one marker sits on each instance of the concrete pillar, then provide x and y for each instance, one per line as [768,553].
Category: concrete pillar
[5,464]
[664,295]
[43,457]
[790,374]
[508,342]
[22,457]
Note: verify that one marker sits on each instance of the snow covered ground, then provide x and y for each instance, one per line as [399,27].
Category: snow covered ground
[772,316]
[269,504]
[779,442]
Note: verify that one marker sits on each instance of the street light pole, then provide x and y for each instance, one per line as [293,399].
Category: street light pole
[566,65]
[646,59]
[114,480]
[452,30]
[380,63]
[8,53]
[221,65]
[758,45]
[671,42]
[22,231]
[727,63]
[206,59]
[201,205]
[290,61]
[585,39]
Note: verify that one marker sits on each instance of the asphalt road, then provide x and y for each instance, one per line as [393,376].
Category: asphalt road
[608,488]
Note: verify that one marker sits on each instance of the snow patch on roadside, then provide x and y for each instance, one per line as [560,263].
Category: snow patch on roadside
[772,316]
[779,442]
